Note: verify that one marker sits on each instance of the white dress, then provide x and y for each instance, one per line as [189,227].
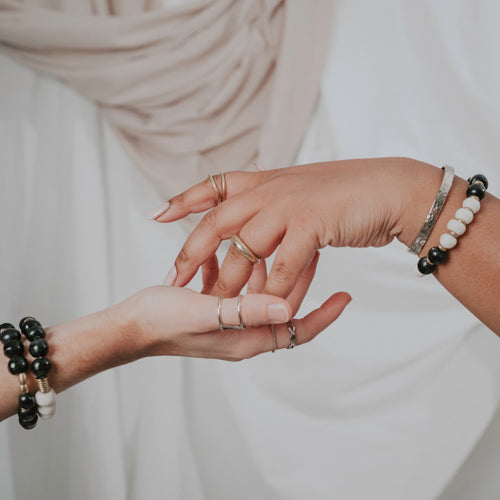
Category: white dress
[397,400]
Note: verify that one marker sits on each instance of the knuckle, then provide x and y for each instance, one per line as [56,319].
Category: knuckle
[210,221]
[224,289]
[183,259]
[281,272]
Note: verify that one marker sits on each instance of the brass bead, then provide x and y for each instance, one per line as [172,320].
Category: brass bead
[23,389]
[22,378]
[442,248]
[43,385]
[455,235]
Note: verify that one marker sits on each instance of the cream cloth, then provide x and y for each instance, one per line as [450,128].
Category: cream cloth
[192,89]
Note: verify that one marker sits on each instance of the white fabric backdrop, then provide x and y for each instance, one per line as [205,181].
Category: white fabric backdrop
[399,399]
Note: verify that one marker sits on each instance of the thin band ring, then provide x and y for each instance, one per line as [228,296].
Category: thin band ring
[293,335]
[273,333]
[244,249]
[218,200]
[222,326]
[224,187]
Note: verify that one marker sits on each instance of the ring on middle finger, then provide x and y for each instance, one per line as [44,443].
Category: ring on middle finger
[244,249]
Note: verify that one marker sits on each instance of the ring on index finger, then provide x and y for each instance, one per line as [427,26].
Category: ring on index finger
[244,249]
[219,196]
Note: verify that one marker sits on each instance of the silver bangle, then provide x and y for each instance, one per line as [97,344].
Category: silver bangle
[434,212]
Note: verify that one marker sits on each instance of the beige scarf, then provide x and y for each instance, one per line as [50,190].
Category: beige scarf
[213,85]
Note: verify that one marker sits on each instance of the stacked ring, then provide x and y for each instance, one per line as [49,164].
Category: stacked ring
[219,196]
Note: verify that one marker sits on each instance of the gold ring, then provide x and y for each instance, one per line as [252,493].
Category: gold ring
[216,189]
[219,196]
[224,189]
[244,249]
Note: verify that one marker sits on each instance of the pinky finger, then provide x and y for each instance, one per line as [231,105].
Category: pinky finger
[315,322]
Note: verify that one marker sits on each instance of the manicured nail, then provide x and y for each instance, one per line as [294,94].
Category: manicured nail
[277,313]
[158,211]
[170,277]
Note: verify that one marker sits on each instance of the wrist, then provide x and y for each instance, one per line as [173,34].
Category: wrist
[419,190]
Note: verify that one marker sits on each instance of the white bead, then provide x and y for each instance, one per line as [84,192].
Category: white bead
[447,241]
[472,203]
[464,214]
[45,398]
[456,226]
[46,411]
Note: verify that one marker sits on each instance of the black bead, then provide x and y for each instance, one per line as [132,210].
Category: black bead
[27,401]
[476,190]
[425,267]
[436,255]
[41,367]
[34,332]
[27,414]
[28,425]
[7,326]
[28,322]
[13,348]
[480,178]
[39,348]
[11,334]
[18,365]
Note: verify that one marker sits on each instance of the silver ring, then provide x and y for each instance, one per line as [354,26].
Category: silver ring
[293,335]
[222,326]
[273,332]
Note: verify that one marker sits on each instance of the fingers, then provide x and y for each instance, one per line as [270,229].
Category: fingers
[257,278]
[218,224]
[254,341]
[261,234]
[294,255]
[256,310]
[209,274]
[202,196]
[299,292]
[316,321]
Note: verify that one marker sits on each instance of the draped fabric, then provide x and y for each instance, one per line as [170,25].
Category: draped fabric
[189,89]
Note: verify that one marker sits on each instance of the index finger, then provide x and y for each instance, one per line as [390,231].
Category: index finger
[202,196]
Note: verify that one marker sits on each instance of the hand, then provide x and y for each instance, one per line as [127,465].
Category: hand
[356,203]
[181,322]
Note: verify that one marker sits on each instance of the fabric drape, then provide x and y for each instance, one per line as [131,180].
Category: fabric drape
[203,87]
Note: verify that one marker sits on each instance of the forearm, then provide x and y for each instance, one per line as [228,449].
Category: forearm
[77,350]
[471,272]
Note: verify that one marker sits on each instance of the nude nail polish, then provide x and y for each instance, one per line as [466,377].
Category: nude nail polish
[170,277]
[277,313]
[159,211]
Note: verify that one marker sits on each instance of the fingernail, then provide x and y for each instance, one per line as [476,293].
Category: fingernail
[170,277]
[158,211]
[277,313]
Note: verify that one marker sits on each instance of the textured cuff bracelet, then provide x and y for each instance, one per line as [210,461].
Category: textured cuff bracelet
[434,212]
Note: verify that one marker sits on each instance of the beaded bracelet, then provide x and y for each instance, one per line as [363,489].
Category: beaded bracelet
[13,348]
[45,396]
[478,184]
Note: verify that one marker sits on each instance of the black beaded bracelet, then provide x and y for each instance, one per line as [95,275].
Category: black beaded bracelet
[45,396]
[478,184]
[13,348]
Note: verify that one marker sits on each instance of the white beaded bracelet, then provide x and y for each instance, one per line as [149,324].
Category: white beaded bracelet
[457,226]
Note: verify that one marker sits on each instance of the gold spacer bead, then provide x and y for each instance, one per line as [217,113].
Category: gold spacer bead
[470,210]
[442,248]
[43,384]
[22,378]
[476,197]
[455,235]
[462,221]
[23,389]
